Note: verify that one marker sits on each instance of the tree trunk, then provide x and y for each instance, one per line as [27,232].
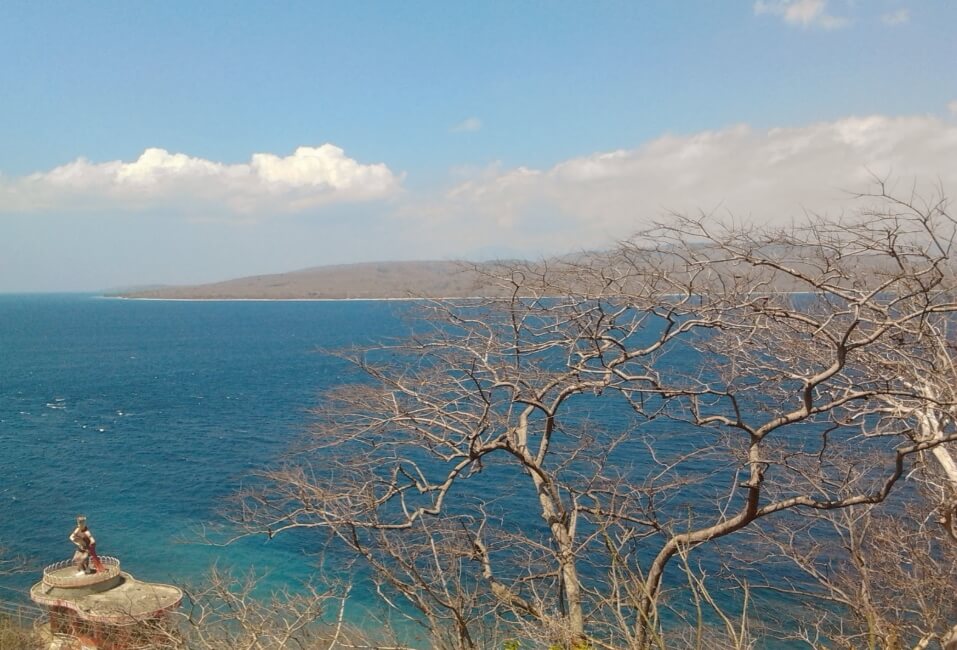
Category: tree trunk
[561,536]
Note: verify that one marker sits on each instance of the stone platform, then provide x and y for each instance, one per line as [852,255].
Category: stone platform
[110,596]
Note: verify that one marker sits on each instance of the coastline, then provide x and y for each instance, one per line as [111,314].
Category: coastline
[409,299]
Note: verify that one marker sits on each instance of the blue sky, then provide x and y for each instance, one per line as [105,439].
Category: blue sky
[185,142]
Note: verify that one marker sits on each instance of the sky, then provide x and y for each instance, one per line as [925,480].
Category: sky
[180,142]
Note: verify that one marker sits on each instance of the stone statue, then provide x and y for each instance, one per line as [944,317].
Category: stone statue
[85,544]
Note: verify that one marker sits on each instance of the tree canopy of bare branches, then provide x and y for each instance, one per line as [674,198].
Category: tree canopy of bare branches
[545,465]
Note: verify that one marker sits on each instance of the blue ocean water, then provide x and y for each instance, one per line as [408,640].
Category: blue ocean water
[145,415]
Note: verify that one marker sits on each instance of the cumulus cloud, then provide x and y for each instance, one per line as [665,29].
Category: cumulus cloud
[469,124]
[894,18]
[763,175]
[310,177]
[802,13]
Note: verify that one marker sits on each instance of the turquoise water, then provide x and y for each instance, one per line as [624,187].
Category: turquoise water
[144,415]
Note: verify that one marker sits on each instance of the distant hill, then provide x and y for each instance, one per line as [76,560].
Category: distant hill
[450,279]
[368,280]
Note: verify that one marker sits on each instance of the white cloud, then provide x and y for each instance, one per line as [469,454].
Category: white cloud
[894,18]
[952,106]
[802,13]
[310,177]
[469,124]
[765,175]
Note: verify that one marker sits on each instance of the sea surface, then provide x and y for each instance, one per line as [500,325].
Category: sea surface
[145,415]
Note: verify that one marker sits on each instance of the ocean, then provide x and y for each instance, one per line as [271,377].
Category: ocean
[146,415]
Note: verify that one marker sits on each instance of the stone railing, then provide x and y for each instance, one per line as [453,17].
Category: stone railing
[63,574]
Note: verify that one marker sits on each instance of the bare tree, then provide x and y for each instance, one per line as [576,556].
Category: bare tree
[867,576]
[224,613]
[560,447]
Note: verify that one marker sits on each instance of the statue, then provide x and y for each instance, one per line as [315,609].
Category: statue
[84,558]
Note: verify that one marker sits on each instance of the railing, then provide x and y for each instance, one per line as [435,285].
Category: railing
[111,569]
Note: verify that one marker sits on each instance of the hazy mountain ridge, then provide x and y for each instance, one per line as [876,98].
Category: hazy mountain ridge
[428,279]
[460,279]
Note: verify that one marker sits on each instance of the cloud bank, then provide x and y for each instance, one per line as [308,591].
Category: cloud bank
[158,179]
[761,175]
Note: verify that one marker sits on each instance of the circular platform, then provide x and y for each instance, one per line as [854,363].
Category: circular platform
[66,576]
[121,600]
